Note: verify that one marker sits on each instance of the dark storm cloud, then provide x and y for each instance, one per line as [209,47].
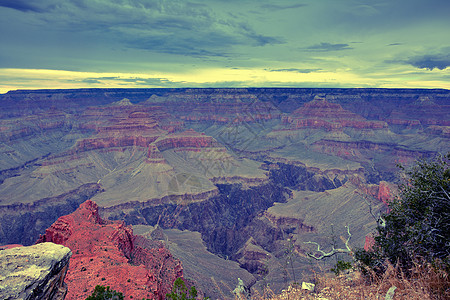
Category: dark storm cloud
[382,15]
[188,46]
[324,47]
[173,27]
[429,61]
[21,5]
[199,38]
[435,60]
[294,70]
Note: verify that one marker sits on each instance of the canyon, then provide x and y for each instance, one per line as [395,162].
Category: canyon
[228,183]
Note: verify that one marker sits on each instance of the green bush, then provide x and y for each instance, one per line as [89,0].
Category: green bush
[341,266]
[417,224]
[180,291]
[104,293]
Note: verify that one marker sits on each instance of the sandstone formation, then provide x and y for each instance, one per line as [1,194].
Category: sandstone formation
[34,272]
[422,112]
[221,108]
[322,114]
[107,253]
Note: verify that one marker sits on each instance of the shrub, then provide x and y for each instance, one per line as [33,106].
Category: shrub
[417,224]
[179,291]
[341,266]
[104,293]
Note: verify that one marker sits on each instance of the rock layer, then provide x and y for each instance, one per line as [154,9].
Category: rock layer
[322,114]
[34,272]
[107,253]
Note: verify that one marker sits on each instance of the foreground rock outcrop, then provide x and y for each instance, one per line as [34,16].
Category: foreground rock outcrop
[34,272]
[107,253]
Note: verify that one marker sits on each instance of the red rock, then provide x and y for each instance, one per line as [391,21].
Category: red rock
[219,108]
[188,138]
[107,253]
[386,191]
[369,242]
[424,111]
[443,131]
[110,142]
[358,150]
[322,114]
[11,129]
[124,126]
[154,156]
[4,247]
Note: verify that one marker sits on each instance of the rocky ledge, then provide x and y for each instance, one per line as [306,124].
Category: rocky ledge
[34,272]
[108,253]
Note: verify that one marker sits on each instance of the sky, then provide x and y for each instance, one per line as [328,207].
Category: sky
[224,43]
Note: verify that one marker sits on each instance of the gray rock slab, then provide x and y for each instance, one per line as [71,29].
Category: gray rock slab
[34,272]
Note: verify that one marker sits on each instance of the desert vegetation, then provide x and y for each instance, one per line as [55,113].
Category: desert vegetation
[410,255]
[105,293]
[408,260]
[417,224]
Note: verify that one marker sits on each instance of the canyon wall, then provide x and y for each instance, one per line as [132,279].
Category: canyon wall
[252,170]
[107,253]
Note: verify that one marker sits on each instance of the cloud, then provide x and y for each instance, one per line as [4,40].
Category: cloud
[21,5]
[171,27]
[140,81]
[149,81]
[281,7]
[324,47]
[431,61]
[294,70]
[197,38]
[90,80]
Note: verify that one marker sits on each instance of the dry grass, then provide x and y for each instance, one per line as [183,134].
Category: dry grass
[425,282]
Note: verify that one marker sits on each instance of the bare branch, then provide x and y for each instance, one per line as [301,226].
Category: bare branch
[445,192]
[333,250]
[380,220]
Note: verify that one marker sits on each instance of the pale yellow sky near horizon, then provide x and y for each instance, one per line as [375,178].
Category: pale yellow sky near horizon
[13,79]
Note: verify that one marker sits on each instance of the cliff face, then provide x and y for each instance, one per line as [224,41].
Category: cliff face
[424,112]
[22,223]
[186,139]
[321,114]
[221,107]
[361,150]
[208,160]
[107,253]
[122,124]
[34,272]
